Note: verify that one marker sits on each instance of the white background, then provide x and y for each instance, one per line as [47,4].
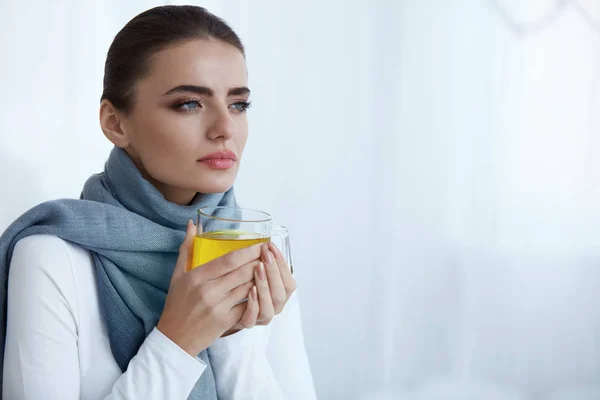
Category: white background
[436,160]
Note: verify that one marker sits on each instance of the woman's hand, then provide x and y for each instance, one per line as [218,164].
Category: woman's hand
[275,284]
[204,303]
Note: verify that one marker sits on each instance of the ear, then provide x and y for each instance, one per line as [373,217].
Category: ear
[112,124]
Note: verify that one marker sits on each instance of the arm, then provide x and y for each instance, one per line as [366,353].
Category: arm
[41,360]
[265,362]
[160,370]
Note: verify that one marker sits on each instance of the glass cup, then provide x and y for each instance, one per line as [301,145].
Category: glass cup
[220,230]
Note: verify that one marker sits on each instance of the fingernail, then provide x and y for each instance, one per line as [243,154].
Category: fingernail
[253,294]
[261,271]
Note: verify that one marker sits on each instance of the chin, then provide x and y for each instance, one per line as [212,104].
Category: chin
[218,186]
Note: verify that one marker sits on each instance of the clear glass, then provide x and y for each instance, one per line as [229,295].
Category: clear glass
[221,230]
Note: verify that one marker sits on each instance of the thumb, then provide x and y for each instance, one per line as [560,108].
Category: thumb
[184,261]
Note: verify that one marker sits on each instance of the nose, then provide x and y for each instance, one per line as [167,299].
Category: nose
[222,126]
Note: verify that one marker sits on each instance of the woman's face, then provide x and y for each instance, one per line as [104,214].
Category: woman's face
[187,128]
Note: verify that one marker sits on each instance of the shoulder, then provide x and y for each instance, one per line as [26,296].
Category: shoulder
[44,241]
[49,273]
[35,248]
[41,252]
[45,258]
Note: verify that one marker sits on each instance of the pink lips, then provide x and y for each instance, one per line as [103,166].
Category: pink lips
[219,160]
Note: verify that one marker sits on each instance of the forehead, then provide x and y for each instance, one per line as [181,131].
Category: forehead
[212,63]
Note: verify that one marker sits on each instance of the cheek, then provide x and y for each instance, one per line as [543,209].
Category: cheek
[242,136]
[167,145]
[164,135]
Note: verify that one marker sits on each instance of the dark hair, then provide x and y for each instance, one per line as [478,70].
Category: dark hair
[149,32]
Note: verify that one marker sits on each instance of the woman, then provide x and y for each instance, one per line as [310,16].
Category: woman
[99,305]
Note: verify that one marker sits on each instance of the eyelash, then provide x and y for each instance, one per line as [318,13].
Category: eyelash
[245,105]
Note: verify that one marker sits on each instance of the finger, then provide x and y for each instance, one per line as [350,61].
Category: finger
[278,294]
[280,257]
[184,260]
[236,277]
[265,303]
[227,263]
[249,318]
[238,294]
[289,282]
[236,313]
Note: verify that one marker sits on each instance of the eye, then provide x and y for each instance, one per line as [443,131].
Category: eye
[188,105]
[241,106]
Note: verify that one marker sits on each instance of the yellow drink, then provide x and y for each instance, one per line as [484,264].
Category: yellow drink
[211,245]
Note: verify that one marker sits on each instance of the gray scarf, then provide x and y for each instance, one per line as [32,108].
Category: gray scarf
[134,235]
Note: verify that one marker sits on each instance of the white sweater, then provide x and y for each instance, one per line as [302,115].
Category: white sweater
[57,343]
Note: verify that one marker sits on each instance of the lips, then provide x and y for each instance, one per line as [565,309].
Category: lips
[223,155]
[219,160]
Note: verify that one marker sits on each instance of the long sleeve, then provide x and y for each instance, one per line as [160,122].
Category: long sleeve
[264,362]
[160,370]
[42,348]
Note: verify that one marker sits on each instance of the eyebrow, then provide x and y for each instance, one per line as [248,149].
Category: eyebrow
[203,90]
